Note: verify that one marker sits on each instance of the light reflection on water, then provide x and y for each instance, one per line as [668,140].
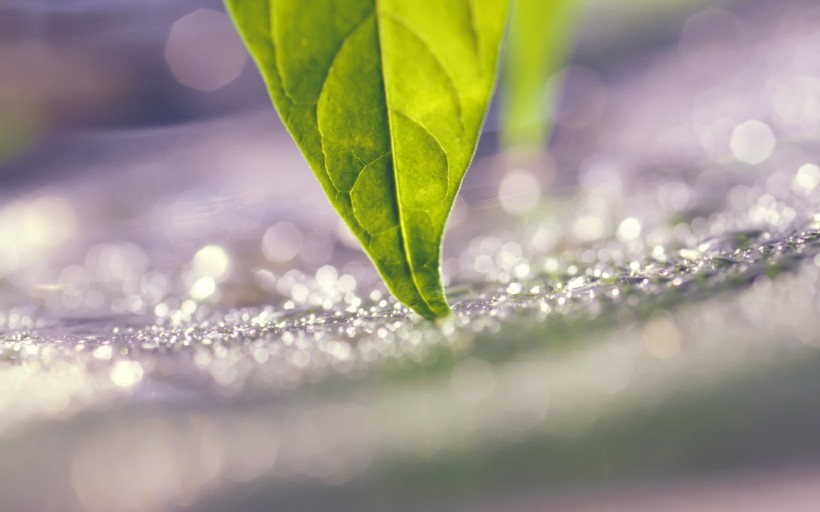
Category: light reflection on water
[175,306]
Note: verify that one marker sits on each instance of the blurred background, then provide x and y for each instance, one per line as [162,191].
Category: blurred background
[185,324]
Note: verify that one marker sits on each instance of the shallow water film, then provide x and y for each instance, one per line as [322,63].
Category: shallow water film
[185,324]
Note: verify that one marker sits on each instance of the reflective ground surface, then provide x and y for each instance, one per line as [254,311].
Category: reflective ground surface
[184,324]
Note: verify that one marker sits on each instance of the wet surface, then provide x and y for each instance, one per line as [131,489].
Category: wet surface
[184,322]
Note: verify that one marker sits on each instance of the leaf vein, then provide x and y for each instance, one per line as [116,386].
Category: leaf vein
[275,44]
[402,226]
[450,82]
[435,139]
[472,24]
[322,92]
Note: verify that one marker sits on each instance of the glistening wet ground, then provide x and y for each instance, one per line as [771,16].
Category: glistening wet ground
[185,324]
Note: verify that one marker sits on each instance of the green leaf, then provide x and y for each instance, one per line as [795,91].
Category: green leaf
[386,99]
[539,40]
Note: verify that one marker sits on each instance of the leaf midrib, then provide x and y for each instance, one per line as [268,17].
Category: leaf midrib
[402,228]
